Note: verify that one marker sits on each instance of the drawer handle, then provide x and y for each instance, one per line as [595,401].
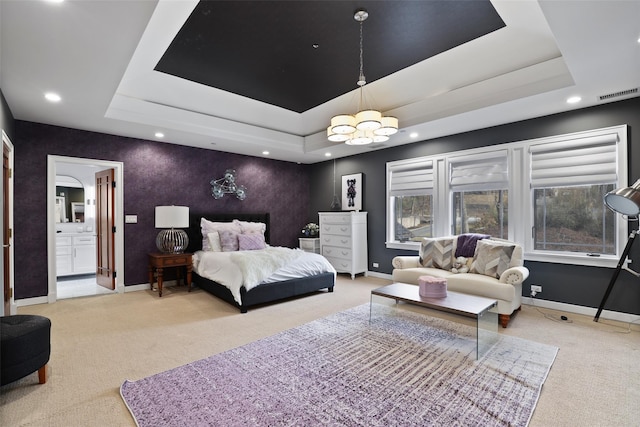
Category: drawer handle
[344,241]
[328,251]
[345,253]
[344,228]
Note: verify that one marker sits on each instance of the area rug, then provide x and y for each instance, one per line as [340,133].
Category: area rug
[401,370]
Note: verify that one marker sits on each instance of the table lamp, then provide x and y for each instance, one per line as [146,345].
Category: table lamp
[170,218]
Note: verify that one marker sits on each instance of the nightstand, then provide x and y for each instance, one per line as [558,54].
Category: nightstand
[159,261]
[310,244]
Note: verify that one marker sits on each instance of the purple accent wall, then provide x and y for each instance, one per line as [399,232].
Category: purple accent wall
[154,174]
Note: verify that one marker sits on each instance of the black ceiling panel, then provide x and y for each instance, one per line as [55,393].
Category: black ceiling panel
[264,50]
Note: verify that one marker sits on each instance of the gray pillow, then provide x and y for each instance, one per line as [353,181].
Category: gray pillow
[491,258]
[437,253]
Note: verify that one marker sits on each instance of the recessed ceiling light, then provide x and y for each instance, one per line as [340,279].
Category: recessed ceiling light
[55,1]
[327,154]
[52,97]
[159,135]
[413,135]
[266,153]
[573,100]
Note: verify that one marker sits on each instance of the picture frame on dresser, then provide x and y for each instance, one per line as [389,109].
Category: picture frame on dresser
[352,192]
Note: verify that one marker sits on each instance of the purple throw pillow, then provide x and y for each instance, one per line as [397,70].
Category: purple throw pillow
[228,241]
[251,241]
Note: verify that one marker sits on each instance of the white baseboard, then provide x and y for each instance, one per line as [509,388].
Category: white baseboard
[46,299]
[578,309]
[32,301]
[560,306]
[140,287]
[379,275]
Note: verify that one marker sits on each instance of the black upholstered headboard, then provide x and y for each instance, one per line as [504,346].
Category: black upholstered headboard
[195,234]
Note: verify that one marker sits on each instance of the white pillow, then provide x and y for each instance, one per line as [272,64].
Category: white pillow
[214,242]
[251,227]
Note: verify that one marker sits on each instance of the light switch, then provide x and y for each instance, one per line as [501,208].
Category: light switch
[131,219]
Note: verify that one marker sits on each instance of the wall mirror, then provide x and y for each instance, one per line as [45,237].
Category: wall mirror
[69,200]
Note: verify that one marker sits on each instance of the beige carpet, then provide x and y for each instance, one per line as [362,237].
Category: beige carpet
[98,342]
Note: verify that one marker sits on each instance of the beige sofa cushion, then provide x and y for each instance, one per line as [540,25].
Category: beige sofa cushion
[481,285]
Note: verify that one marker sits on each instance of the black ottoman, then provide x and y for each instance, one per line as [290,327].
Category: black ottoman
[25,347]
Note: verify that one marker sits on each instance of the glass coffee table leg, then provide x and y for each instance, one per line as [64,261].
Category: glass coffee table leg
[487,331]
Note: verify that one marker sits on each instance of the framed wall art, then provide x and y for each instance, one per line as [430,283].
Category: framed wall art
[352,192]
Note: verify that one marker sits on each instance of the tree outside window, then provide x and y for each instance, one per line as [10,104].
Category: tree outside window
[413,218]
[574,219]
[484,212]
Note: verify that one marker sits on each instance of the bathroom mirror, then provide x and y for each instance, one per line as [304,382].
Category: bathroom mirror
[69,200]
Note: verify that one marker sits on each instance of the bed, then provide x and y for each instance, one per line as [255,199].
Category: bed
[264,292]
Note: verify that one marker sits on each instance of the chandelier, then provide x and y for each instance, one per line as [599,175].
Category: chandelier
[367,125]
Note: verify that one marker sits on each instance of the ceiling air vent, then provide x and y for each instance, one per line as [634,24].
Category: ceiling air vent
[617,94]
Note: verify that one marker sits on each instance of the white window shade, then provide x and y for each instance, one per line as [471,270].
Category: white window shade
[411,180]
[581,161]
[480,173]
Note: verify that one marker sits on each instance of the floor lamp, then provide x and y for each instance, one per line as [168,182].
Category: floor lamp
[625,201]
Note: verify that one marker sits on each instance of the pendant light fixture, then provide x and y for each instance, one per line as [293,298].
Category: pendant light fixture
[367,125]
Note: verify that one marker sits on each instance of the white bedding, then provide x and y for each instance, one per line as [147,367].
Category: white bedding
[251,268]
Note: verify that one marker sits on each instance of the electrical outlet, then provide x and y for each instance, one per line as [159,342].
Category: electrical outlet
[376,265]
[535,288]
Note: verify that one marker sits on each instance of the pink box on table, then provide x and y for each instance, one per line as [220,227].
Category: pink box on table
[432,287]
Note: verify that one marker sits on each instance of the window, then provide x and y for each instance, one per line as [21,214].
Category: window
[410,187]
[574,219]
[413,218]
[481,212]
[546,194]
[479,193]
[569,179]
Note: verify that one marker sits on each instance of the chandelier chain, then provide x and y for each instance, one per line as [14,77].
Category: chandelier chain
[361,78]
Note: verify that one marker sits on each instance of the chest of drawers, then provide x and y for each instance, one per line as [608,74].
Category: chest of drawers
[343,241]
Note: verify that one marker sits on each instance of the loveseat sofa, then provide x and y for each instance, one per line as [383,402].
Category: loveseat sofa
[496,268]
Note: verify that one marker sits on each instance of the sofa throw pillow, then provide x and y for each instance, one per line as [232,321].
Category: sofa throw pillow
[491,258]
[437,253]
[251,241]
[229,241]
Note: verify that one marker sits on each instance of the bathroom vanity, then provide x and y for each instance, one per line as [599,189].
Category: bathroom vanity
[75,253]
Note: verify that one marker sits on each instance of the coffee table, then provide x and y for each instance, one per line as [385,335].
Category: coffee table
[470,306]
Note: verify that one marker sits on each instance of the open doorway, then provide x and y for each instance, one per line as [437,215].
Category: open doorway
[6,267]
[72,228]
